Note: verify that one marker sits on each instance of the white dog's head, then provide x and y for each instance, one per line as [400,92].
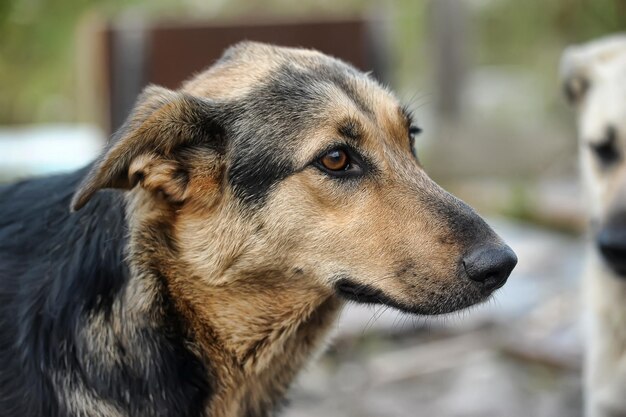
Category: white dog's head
[594,80]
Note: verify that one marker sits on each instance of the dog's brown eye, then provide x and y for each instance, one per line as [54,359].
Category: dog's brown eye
[336,160]
[342,162]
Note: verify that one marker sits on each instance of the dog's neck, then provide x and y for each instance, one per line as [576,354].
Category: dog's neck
[257,339]
[255,329]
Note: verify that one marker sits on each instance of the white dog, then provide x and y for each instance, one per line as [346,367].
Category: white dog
[594,77]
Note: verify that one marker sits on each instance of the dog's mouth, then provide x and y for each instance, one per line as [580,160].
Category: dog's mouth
[360,293]
[351,290]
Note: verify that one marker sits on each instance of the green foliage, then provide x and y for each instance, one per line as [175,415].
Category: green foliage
[511,31]
[36,55]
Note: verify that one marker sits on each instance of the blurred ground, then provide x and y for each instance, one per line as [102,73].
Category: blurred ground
[518,355]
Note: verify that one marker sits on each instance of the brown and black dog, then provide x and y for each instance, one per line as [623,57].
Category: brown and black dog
[214,242]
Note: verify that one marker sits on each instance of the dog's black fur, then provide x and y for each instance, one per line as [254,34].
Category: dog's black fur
[56,270]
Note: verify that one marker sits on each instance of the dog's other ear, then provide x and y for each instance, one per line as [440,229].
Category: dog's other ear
[143,150]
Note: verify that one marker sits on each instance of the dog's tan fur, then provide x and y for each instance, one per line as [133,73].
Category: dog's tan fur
[594,75]
[256,286]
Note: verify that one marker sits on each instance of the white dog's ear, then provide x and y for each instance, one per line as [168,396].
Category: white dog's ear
[144,151]
[572,73]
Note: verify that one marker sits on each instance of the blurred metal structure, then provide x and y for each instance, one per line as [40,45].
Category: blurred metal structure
[137,53]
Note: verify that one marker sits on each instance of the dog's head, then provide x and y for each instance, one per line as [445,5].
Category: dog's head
[594,80]
[286,164]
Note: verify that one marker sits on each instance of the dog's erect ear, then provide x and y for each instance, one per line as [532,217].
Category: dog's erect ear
[143,150]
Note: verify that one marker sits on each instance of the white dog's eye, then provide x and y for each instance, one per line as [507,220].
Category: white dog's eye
[575,88]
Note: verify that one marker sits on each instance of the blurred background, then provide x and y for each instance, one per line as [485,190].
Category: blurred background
[481,77]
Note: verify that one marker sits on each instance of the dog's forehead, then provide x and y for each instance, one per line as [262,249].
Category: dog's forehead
[282,105]
[602,58]
[240,68]
[249,67]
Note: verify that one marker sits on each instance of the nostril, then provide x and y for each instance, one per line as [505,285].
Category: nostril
[496,280]
[490,265]
[491,276]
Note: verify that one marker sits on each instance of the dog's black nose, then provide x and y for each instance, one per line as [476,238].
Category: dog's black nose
[490,265]
[612,244]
